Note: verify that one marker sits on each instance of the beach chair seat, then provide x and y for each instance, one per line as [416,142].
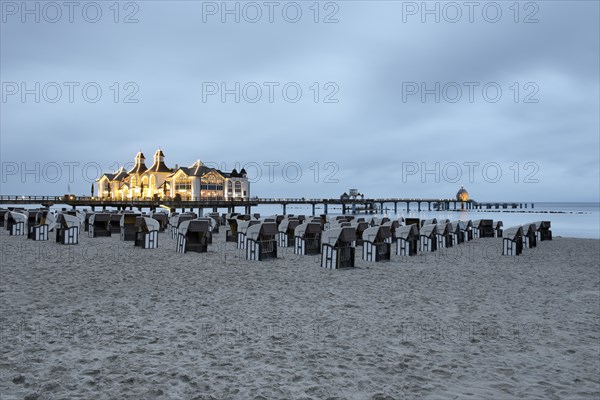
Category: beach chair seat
[443,235]
[146,235]
[163,220]
[212,224]
[543,230]
[218,223]
[15,223]
[286,232]
[512,243]
[231,231]
[498,229]
[127,226]
[3,214]
[38,232]
[485,228]
[99,225]
[529,236]
[33,217]
[192,236]
[307,238]
[407,240]
[360,227]
[428,238]
[338,248]
[467,230]
[392,226]
[376,243]
[115,223]
[67,229]
[261,241]
[457,232]
[176,221]
[86,221]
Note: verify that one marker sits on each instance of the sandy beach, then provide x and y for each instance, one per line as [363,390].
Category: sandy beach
[105,320]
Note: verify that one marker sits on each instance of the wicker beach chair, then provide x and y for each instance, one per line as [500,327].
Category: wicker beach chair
[428,238]
[15,223]
[261,241]
[286,232]
[307,238]
[146,235]
[512,241]
[193,236]
[338,248]
[67,229]
[407,240]
[99,225]
[376,243]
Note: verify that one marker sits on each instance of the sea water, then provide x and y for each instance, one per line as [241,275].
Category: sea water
[579,220]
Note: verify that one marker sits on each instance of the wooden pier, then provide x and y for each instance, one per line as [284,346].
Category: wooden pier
[375,205]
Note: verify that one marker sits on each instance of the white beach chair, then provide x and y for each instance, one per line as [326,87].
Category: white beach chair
[407,239]
[337,248]
[307,238]
[261,242]
[512,241]
[376,243]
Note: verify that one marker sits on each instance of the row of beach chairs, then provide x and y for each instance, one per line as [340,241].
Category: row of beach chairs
[335,239]
[37,224]
[517,238]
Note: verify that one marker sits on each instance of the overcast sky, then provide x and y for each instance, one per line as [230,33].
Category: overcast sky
[379,105]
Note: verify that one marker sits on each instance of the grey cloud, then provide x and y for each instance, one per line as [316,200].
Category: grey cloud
[368,134]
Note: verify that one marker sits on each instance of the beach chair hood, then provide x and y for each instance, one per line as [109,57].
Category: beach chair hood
[147,224]
[343,234]
[444,228]
[513,232]
[377,233]
[128,219]
[261,229]
[49,219]
[457,226]
[407,231]
[429,230]
[244,225]
[16,216]
[194,225]
[287,224]
[431,221]
[307,229]
[67,221]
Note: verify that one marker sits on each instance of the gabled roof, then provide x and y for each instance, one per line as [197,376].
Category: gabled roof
[159,166]
[198,169]
[138,168]
[235,174]
[110,177]
[120,175]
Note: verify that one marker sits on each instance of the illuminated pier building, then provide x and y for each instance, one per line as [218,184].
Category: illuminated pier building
[197,182]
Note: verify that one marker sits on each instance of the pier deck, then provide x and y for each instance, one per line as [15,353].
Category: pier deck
[366,204]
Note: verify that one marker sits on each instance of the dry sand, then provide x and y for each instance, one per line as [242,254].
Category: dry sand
[106,320]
